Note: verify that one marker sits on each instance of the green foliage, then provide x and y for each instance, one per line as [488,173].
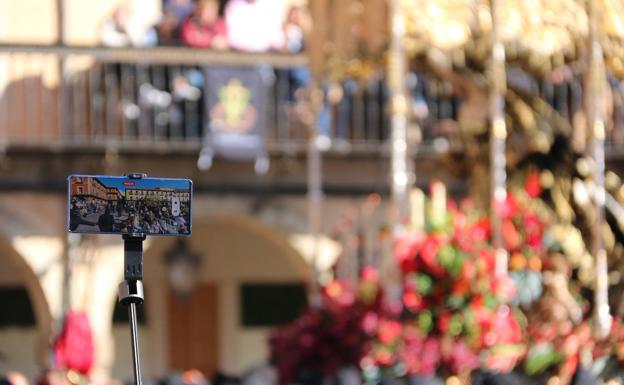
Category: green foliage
[424,284]
[451,259]
[540,358]
[425,321]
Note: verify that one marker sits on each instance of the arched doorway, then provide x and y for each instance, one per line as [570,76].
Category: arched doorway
[223,326]
[26,329]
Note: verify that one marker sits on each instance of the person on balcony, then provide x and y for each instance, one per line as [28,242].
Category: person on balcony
[204,28]
[296,27]
[168,30]
[123,29]
[174,13]
[254,25]
[180,9]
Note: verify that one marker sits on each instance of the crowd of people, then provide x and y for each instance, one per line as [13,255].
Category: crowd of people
[261,375]
[127,217]
[13,378]
[177,97]
[244,25]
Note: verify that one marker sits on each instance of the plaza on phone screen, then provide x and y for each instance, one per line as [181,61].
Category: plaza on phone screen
[120,205]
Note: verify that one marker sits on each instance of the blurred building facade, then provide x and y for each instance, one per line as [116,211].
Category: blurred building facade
[63,112]
[78,107]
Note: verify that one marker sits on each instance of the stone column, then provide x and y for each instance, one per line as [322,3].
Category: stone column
[595,113]
[498,137]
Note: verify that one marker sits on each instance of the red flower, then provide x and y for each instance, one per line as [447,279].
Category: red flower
[467,205]
[389,330]
[429,256]
[511,235]
[407,244]
[569,365]
[481,230]
[505,326]
[461,359]
[533,228]
[431,356]
[477,303]
[504,287]
[474,235]
[370,322]
[444,320]
[338,295]
[405,248]
[459,221]
[507,208]
[409,265]
[420,355]
[413,301]
[532,184]
[461,286]
[486,262]
[369,274]
[384,357]
[504,358]
[306,340]
[468,270]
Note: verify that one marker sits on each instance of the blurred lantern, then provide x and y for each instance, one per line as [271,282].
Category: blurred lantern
[183,267]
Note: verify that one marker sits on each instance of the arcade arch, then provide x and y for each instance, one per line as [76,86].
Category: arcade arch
[18,272]
[235,249]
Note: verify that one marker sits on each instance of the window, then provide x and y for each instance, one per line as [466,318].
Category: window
[270,304]
[16,307]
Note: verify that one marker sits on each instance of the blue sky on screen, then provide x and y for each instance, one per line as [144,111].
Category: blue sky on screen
[149,183]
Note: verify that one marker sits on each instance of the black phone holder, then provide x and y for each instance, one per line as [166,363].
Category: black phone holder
[131,289]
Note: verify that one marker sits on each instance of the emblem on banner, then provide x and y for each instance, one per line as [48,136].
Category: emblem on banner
[235,116]
[233,112]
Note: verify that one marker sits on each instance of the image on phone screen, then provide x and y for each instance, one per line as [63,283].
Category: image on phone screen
[122,205]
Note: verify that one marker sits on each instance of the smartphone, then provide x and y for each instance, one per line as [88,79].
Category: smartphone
[99,204]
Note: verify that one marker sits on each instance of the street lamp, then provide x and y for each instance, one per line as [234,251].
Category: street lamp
[183,268]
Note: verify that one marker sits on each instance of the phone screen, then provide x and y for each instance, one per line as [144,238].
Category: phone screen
[122,205]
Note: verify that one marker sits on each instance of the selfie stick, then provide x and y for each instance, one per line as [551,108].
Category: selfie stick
[131,289]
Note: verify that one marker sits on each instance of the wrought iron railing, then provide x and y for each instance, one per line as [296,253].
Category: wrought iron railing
[61,97]
[129,98]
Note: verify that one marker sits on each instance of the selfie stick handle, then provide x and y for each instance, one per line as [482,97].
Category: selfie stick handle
[131,292]
[131,289]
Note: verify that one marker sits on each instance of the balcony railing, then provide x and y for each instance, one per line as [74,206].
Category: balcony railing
[60,97]
[90,97]
[152,99]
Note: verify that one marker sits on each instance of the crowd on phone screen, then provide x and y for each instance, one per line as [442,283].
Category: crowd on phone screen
[150,217]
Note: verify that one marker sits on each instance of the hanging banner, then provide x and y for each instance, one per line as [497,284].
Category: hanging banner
[235,116]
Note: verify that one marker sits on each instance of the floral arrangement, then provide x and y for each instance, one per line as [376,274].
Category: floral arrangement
[456,314]
[330,336]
